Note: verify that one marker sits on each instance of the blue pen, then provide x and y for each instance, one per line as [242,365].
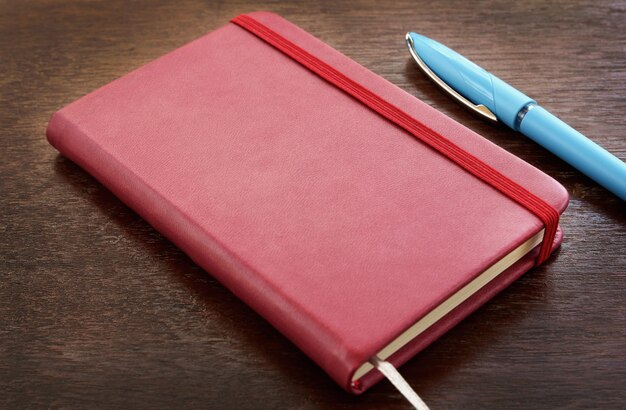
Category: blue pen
[495,100]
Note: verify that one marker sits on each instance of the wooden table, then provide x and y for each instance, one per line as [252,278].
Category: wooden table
[99,310]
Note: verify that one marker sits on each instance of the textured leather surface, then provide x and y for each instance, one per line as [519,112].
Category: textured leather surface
[334,224]
[548,215]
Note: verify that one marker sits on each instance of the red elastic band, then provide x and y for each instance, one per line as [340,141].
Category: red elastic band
[546,213]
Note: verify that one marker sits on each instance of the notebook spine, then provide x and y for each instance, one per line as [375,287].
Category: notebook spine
[204,249]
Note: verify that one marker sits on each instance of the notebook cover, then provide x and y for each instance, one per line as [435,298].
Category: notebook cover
[334,224]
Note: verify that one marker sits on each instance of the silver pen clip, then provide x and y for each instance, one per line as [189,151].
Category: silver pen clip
[479,109]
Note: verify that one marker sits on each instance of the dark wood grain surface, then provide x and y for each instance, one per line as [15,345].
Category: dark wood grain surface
[99,310]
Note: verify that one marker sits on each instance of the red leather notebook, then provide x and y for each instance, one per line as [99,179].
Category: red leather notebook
[345,211]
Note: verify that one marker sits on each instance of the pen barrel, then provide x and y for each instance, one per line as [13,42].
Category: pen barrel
[576,149]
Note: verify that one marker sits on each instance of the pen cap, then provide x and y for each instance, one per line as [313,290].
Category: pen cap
[470,80]
[508,102]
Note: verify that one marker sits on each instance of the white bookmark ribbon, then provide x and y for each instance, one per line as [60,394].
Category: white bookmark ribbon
[398,381]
